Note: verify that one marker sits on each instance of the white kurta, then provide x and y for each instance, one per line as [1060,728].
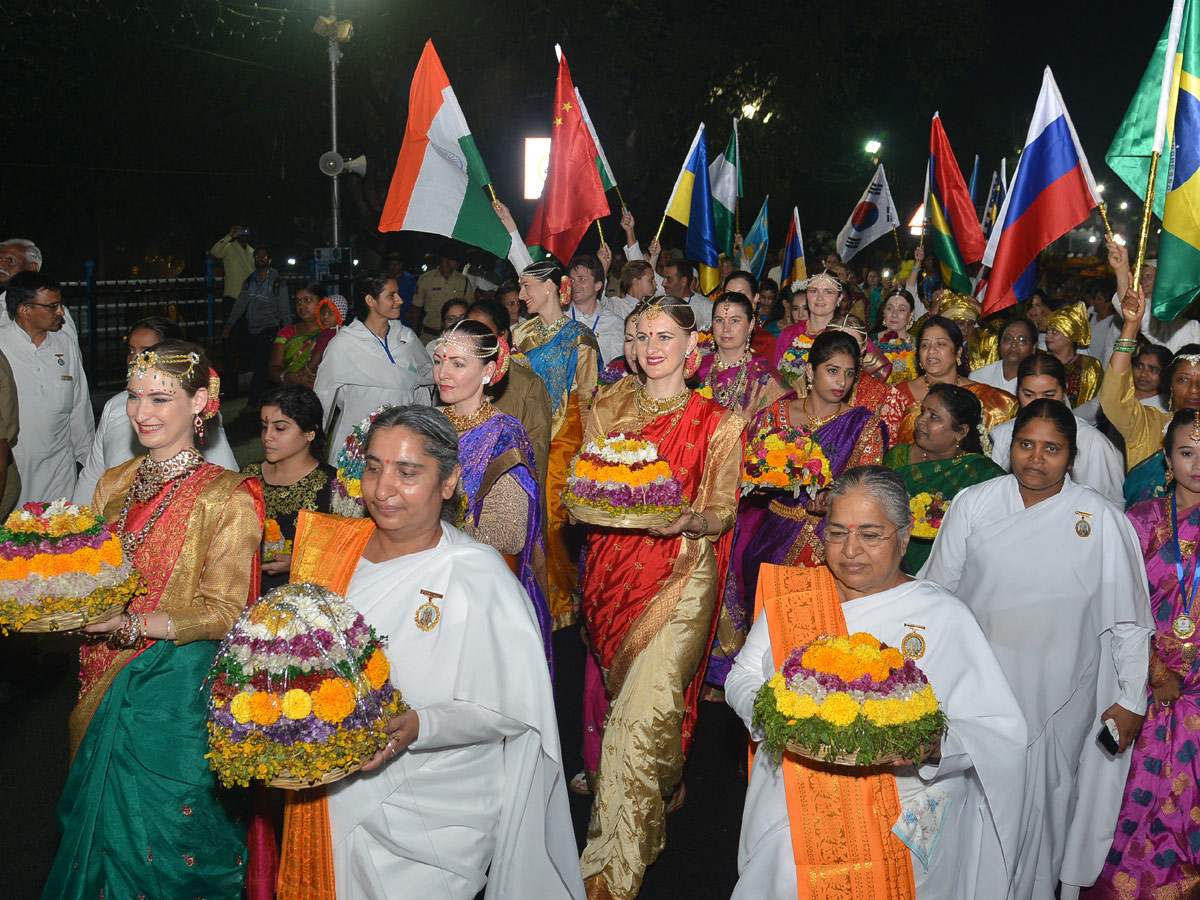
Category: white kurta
[982,767]
[1068,616]
[116,442]
[56,412]
[357,375]
[993,374]
[483,784]
[608,327]
[1098,464]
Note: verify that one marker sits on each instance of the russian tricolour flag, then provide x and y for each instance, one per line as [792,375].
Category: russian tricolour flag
[1052,192]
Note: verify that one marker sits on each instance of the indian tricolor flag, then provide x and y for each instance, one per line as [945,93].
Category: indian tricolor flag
[439,182]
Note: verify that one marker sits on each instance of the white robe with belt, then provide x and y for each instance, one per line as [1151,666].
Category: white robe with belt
[356,377]
[479,798]
[1066,611]
[982,768]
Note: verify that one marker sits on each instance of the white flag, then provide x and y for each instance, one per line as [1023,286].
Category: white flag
[874,217]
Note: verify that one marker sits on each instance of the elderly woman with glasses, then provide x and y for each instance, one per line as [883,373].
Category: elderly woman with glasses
[845,825]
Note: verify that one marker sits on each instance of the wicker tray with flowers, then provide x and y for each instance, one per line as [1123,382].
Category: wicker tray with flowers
[619,481]
[300,691]
[61,567]
[849,701]
[784,461]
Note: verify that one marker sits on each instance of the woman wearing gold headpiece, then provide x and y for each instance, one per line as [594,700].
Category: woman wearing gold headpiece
[940,360]
[1068,329]
[140,810]
[565,355]
[982,344]
[650,598]
[505,506]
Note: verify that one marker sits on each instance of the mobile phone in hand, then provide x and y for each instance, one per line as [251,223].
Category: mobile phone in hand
[1109,737]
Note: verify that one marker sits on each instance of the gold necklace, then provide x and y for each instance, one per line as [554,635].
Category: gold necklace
[652,406]
[544,331]
[151,477]
[720,366]
[929,384]
[813,422]
[463,424]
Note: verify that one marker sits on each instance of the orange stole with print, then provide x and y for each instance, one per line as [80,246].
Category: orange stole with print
[841,824]
[326,552]
[562,565]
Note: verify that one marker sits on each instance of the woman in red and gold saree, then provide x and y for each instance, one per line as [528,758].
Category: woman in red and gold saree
[650,599]
[141,814]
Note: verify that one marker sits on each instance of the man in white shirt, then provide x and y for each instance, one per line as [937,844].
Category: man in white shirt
[1172,335]
[19,255]
[587,281]
[679,280]
[57,427]
[1018,341]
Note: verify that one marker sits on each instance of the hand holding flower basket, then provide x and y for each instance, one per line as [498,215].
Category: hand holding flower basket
[849,701]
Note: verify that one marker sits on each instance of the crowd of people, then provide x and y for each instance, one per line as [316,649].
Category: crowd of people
[1020,493]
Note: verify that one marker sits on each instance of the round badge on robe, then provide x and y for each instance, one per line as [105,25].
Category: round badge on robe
[913,645]
[1083,528]
[428,613]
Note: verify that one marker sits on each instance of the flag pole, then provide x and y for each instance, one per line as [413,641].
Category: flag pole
[1145,232]
[658,233]
[600,228]
[624,208]
[1104,215]
[492,191]
[899,255]
[737,221]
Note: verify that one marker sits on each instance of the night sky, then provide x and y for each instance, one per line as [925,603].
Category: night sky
[142,129]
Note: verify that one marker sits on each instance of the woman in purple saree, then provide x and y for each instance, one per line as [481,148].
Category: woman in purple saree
[1156,846]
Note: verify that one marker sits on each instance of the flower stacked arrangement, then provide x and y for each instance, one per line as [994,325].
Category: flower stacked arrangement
[928,510]
[617,478]
[274,543]
[346,497]
[850,700]
[300,691]
[61,566]
[788,461]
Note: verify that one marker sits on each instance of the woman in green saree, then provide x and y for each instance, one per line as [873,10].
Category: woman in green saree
[292,353]
[946,455]
[140,815]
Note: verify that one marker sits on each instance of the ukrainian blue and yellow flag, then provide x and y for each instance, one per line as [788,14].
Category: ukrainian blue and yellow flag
[1177,184]
[691,205]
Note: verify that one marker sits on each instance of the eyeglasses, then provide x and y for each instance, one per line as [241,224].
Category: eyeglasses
[1021,340]
[55,306]
[870,538]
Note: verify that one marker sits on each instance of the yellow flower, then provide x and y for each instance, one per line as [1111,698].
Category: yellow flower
[839,709]
[240,708]
[377,669]
[892,657]
[334,700]
[297,704]
[264,708]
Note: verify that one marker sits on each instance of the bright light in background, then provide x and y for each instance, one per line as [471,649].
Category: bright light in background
[1120,239]
[873,146]
[1099,189]
[356,262]
[750,110]
[291,260]
[916,225]
[1124,204]
[1092,239]
[537,164]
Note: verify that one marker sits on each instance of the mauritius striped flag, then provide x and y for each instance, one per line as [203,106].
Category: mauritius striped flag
[954,232]
[792,268]
[1052,192]
[1170,91]
[438,185]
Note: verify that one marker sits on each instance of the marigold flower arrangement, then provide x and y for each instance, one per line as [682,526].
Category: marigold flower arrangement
[621,475]
[928,510]
[346,496]
[840,697]
[788,461]
[274,543]
[300,691]
[61,566]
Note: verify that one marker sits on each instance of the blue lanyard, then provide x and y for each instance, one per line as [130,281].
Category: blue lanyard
[1187,601]
[383,343]
[592,328]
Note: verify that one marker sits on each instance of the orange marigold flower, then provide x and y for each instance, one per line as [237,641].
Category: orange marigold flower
[377,669]
[334,700]
[271,532]
[264,708]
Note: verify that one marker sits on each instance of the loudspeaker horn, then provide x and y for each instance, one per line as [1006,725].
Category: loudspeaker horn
[331,163]
[356,166]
